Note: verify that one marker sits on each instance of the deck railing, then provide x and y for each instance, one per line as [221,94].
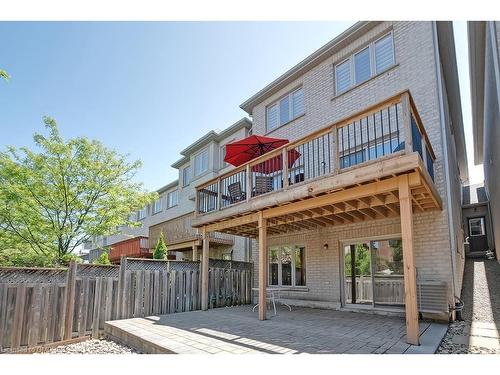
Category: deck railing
[388,129]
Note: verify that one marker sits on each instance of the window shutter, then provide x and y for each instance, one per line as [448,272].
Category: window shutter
[384,53]
[343,77]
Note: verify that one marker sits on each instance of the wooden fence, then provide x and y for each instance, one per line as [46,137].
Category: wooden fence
[39,314]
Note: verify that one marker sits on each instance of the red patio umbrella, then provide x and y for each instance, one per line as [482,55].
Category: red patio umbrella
[239,152]
[275,164]
[244,150]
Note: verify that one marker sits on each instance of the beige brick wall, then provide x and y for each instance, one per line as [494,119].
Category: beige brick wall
[415,70]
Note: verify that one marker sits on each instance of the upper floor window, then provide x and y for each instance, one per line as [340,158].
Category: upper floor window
[285,110]
[157,206]
[141,214]
[186,176]
[361,66]
[201,163]
[223,164]
[172,199]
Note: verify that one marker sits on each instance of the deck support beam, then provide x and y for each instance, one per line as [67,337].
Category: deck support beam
[410,280]
[204,269]
[262,266]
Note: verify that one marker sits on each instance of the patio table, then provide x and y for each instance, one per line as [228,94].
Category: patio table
[272,292]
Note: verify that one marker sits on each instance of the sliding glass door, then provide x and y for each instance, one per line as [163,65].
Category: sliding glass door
[373,273]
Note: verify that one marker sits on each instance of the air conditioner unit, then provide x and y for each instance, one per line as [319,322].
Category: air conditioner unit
[432,296]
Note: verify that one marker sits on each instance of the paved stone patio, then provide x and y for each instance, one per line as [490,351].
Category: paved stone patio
[237,330]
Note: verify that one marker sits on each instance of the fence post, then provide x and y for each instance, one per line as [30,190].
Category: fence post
[70,300]
[121,287]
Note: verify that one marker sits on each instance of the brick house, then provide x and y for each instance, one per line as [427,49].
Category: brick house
[365,209]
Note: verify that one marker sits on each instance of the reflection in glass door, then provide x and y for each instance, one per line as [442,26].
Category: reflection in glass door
[373,273]
[357,266]
[388,275]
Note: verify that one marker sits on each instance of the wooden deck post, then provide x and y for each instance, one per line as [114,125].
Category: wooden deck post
[195,253]
[406,126]
[204,270]
[353,273]
[411,309]
[262,266]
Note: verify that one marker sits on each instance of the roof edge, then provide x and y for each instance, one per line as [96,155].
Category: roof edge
[310,61]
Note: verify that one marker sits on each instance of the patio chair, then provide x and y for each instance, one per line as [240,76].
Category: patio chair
[263,184]
[236,194]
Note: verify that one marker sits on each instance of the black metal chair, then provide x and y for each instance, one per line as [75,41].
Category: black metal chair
[263,184]
[236,194]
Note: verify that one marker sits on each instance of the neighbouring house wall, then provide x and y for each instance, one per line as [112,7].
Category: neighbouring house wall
[491,133]
[415,70]
[473,211]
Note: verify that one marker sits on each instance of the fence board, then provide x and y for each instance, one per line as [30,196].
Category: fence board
[18,317]
[97,308]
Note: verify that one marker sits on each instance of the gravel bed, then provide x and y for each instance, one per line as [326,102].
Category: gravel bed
[481,297]
[94,346]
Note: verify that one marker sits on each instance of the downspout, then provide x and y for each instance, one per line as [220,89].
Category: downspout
[444,145]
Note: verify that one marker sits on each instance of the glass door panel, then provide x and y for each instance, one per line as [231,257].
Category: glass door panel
[358,271]
[388,273]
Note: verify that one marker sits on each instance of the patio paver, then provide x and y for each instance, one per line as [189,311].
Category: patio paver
[237,330]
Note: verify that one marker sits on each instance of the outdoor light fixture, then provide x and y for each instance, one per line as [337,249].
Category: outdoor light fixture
[325,246]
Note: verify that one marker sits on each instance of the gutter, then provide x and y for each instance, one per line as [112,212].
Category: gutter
[444,146]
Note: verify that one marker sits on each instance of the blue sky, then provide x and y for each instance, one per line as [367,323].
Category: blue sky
[150,89]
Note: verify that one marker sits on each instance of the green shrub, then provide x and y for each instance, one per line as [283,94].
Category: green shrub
[103,259]
[160,251]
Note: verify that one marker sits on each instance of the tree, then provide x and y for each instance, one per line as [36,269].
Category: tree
[160,251]
[4,75]
[54,200]
[102,259]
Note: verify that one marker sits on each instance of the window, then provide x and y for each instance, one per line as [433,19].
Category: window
[223,164]
[476,226]
[285,110]
[372,60]
[141,214]
[172,199]
[201,163]
[384,53]
[186,176]
[343,76]
[362,68]
[287,265]
[157,206]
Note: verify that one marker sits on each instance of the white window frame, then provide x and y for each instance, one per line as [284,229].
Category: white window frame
[169,194]
[199,173]
[187,170]
[373,72]
[142,213]
[483,228]
[157,205]
[290,109]
[280,269]
[223,164]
